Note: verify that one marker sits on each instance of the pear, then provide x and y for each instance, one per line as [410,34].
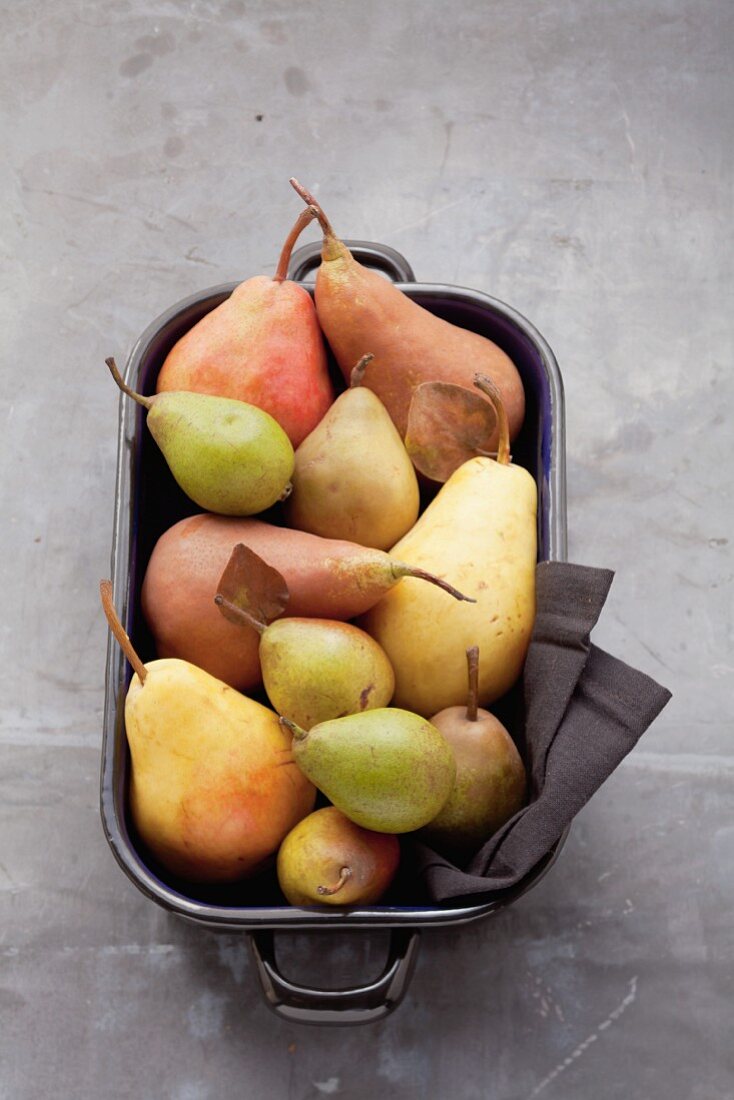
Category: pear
[490,780]
[328,860]
[481,530]
[214,789]
[228,456]
[386,769]
[313,669]
[326,579]
[353,478]
[262,345]
[358,309]
[318,669]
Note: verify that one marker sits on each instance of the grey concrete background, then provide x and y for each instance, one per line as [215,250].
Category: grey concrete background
[569,157]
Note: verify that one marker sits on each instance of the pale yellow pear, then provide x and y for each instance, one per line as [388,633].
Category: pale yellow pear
[479,533]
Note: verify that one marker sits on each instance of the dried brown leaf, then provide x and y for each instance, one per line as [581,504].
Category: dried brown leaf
[447,425]
[250,585]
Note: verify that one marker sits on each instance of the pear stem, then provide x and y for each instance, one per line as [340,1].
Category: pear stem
[304,218]
[239,613]
[488,387]
[355,378]
[309,199]
[344,876]
[146,402]
[472,702]
[298,732]
[105,591]
[402,569]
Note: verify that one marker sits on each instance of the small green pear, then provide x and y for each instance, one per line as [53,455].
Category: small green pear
[328,860]
[385,769]
[229,457]
[490,783]
[353,478]
[313,669]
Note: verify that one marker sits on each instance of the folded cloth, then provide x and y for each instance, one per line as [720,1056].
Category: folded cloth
[584,711]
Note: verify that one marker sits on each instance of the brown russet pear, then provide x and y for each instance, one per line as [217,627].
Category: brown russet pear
[481,530]
[262,345]
[326,579]
[490,782]
[213,787]
[328,860]
[312,669]
[359,309]
[353,478]
[386,769]
[227,456]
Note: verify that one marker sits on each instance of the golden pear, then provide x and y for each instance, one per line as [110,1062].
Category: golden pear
[353,478]
[214,789]
[481,530]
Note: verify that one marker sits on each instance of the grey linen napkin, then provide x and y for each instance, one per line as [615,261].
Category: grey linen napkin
[584,711]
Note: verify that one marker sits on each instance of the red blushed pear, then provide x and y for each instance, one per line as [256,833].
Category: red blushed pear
[359,309]
[263,345]
[214,789]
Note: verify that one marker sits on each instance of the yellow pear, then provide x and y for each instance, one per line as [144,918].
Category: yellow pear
[353,478]
[214,789]
[481,530]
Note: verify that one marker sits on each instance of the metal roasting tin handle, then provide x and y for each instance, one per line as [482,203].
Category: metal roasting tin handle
[380,256]
[358,1005]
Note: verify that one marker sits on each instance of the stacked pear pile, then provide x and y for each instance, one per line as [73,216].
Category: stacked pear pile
[345,645]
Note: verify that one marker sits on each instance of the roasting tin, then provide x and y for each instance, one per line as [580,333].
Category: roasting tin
[147,502]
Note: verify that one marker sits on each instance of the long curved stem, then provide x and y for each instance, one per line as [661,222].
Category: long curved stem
[304,218]
[309,199]
[105,591]
[146,402]
[402,569]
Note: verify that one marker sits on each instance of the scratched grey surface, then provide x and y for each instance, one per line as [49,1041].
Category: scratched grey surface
[571,158]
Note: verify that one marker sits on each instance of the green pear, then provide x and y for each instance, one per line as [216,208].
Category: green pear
[386,769]
[328,860]
[353,478]
[490,783]
[228,456]
[481,530]
[318,669]
[214,789]
[313,669]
